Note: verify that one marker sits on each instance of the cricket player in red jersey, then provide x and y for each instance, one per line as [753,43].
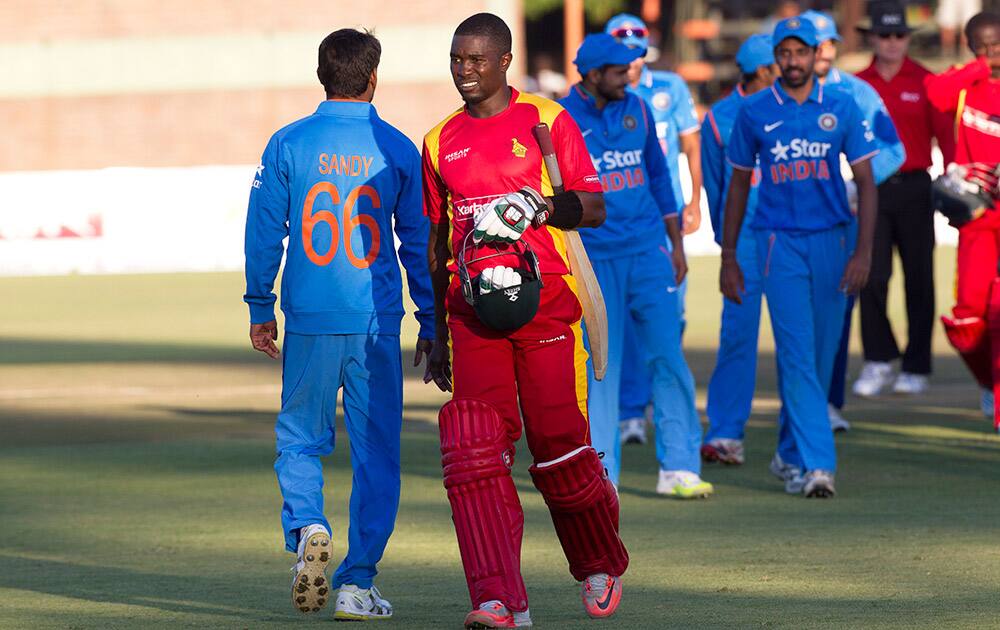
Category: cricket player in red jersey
[972,93]
[483,172]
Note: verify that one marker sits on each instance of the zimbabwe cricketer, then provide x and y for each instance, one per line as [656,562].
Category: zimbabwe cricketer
[334,183]
[482,173]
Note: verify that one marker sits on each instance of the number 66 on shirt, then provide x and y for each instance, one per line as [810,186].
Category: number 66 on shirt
[311,218]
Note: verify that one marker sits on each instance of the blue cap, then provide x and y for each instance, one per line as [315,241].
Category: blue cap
[826,28]
[755,52]
[629,30]
[601,49]
[796,27]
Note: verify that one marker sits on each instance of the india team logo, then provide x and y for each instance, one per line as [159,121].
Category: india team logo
[661,101]
[794,23]
[827,122]
[518,149]
[630,123]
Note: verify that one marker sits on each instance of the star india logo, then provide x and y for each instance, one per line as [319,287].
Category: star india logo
[827,122]
[518,149]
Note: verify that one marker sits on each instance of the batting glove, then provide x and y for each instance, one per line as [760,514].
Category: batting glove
[496,278]
[505,219]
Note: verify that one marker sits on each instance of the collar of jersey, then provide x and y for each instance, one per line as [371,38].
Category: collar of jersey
[783,98]
[353,109]
[510,106]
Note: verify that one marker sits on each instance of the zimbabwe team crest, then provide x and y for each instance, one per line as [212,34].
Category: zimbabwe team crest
[518,149]
[827,122]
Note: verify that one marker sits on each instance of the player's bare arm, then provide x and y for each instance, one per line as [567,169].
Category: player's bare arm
[438,360]
[677,256]
[856,272]
[691,146]
[730,274]
[263,336]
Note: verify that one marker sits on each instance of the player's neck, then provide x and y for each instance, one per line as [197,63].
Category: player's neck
[599,101]
[491,105]
[801,93]
[888,69]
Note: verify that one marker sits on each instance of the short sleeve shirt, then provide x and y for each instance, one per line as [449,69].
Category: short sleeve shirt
[799,149]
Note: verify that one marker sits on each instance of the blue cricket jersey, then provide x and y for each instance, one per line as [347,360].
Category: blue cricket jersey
[891,153]
[672,107]
[716,171]
[625,150]
[334,183]
[799,149]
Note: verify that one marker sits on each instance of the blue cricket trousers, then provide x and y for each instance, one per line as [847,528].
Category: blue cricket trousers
[801,274]
[369,369]
[731,388]
[638,287]
[635,387]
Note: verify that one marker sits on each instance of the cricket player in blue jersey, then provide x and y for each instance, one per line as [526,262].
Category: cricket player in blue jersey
[890,157]
[634,268]
[336,184]
[677,129]
[730,390]
[798,130]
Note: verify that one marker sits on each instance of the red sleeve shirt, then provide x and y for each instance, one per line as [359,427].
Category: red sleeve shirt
[468,162]
[978,125]
[911,111]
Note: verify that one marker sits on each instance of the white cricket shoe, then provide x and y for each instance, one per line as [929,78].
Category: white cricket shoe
[723,450]
[522,619]
[818,484]
[986,403]
[683,484]
[910,384]
[361,604]
[791,475]
[633,431]
[309,584]
[875,376]
[837,421]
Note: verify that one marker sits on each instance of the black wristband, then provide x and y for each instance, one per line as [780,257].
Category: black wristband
[567,211]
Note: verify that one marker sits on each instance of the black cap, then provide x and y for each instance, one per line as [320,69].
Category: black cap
[885,17]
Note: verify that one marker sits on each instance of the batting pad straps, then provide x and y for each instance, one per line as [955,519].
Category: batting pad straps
[971,337]
[476,456]
[584,509]
[567,211]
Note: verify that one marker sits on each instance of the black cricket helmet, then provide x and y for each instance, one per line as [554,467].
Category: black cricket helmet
[505,309]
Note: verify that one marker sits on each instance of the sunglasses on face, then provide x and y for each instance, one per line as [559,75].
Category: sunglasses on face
[892,35]
[621,33]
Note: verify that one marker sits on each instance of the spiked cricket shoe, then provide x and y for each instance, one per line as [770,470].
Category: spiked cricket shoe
[361,604]
[310,588]
[601,594]
[724,451]
[633,431]
[491,614]
[818,484]
[875,376]
[837,422]
[683,484]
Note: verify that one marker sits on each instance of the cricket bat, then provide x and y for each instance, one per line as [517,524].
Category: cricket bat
[591,298]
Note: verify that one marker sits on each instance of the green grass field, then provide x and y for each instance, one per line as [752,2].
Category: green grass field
[136,488]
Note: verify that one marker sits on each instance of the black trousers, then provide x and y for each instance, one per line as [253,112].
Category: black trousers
[906,221]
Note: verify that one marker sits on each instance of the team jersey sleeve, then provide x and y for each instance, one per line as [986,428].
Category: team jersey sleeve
[660,183]
[435,192]
[943,89]
[891,153]
[266,227]
[574,160]
[713,171]
[741,152]
[859,139]
[412,227]
[684,114]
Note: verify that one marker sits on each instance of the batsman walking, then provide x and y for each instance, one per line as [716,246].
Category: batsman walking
[498,229]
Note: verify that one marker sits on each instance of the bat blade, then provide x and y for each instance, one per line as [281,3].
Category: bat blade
[588,289]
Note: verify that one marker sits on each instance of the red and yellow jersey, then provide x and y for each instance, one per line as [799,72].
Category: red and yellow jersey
[468,162]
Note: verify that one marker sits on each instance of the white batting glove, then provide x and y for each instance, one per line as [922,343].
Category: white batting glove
[496,278]
[505,219]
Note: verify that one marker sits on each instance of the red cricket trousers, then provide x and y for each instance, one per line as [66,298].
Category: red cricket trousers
[978,254]
[538,372]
